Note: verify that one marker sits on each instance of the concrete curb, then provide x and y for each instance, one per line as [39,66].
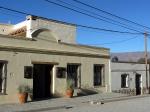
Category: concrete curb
[122,98]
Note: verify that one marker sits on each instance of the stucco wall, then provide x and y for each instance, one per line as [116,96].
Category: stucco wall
[63,32]
[117,69]
[17,61]
[48,45]
[18,53]
[5,28]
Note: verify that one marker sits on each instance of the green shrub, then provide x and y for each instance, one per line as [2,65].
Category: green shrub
[23,88]
[30,91]
[70,84]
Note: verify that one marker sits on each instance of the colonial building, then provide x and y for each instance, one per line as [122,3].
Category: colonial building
[128,77]
[43,53]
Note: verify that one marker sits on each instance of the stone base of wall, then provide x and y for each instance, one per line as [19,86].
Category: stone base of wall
[129,91]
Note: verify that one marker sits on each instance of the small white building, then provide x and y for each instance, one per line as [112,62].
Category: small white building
[128,77]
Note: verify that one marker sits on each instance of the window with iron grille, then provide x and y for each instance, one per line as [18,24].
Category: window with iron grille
[73,73]
[2,78]
[1,75]
[98,75]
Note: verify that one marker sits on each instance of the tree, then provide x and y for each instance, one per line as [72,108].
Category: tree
[115,59]
[142,60]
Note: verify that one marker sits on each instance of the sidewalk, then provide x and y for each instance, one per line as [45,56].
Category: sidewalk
[65,103]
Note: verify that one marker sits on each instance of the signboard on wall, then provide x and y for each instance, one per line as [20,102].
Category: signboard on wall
[61,72]
[28,72]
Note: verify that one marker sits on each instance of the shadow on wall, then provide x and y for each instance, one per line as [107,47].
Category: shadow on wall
[79,92]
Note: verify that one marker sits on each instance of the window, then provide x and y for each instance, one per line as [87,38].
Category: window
[124,80]
[2,78]
[73,72]
[98,75]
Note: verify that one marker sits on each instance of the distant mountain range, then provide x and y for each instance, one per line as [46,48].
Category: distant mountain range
[129,56]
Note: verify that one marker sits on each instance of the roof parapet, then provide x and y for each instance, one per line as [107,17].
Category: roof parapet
[33,17]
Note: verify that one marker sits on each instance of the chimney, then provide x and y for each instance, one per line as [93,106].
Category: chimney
[31,17]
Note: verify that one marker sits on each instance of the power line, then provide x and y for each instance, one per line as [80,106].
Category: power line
[108,13]
[9,14]
[15,10]
[94,13]
[114,31]
[88,15]
[84,26]
[116,42]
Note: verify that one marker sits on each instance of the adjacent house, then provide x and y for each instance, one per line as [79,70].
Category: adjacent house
[43,53]
[128,77]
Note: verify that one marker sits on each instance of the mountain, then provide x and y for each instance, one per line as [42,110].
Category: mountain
[129,56]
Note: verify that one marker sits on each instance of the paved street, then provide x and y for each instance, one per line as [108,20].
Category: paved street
[82,104]
[133,105]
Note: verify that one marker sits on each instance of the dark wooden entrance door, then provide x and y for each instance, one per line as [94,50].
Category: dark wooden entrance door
[138,84]
[42,81]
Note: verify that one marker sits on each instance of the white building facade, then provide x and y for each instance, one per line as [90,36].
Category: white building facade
[128,77]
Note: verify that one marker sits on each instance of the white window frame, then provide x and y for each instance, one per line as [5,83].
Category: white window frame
[126,80]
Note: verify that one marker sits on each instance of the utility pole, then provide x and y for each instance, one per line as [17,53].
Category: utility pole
[146,72]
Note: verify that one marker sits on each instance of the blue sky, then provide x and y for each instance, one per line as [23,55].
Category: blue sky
[135,10]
